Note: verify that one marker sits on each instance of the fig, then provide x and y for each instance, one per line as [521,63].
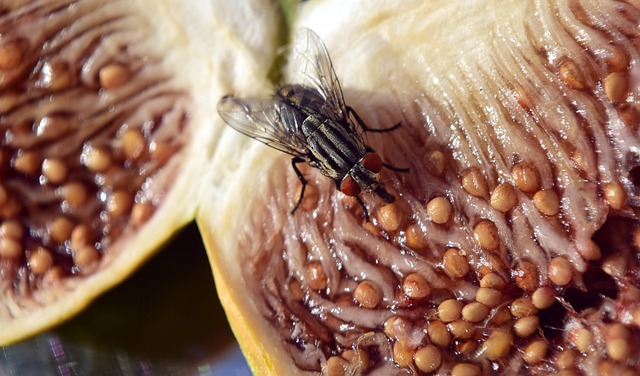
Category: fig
[106,113]
[512,243]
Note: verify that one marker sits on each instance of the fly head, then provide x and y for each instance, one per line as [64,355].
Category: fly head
[365,176]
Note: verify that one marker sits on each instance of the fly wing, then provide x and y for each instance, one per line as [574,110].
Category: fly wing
[270,121]
[315,72]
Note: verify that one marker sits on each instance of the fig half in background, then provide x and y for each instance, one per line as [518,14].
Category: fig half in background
[107,125]
[512,245]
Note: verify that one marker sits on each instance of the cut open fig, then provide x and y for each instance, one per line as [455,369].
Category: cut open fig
[106,114]
[512,244]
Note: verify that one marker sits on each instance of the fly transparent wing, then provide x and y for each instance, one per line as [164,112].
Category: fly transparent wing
[315,72]
[269,121]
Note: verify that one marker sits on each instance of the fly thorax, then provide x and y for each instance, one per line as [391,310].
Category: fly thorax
[334,148]
[310,126]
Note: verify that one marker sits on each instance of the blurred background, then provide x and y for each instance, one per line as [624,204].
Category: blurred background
[166,319]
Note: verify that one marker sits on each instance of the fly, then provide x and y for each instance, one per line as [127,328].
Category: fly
[310,121]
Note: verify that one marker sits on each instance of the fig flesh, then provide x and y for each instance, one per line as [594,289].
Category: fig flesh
[520,131]
[106,117]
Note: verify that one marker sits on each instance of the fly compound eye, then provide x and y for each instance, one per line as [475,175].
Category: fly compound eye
[372,162]
[349,186]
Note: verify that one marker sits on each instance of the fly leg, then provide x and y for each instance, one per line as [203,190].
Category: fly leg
[364,208]
[390,167]
[367,129]
[295,161]
[394,168]
[364,126]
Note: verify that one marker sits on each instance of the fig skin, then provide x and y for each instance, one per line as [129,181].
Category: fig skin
[454,88]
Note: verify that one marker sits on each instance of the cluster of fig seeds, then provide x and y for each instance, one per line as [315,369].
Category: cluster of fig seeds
[479,331]
[471,336]
[70,181]
[503,322]
[615,85]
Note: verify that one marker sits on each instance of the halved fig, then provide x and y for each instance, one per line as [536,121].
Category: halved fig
[106,114]
[512,245]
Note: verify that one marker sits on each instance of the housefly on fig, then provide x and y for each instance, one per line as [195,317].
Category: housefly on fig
[310,121]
